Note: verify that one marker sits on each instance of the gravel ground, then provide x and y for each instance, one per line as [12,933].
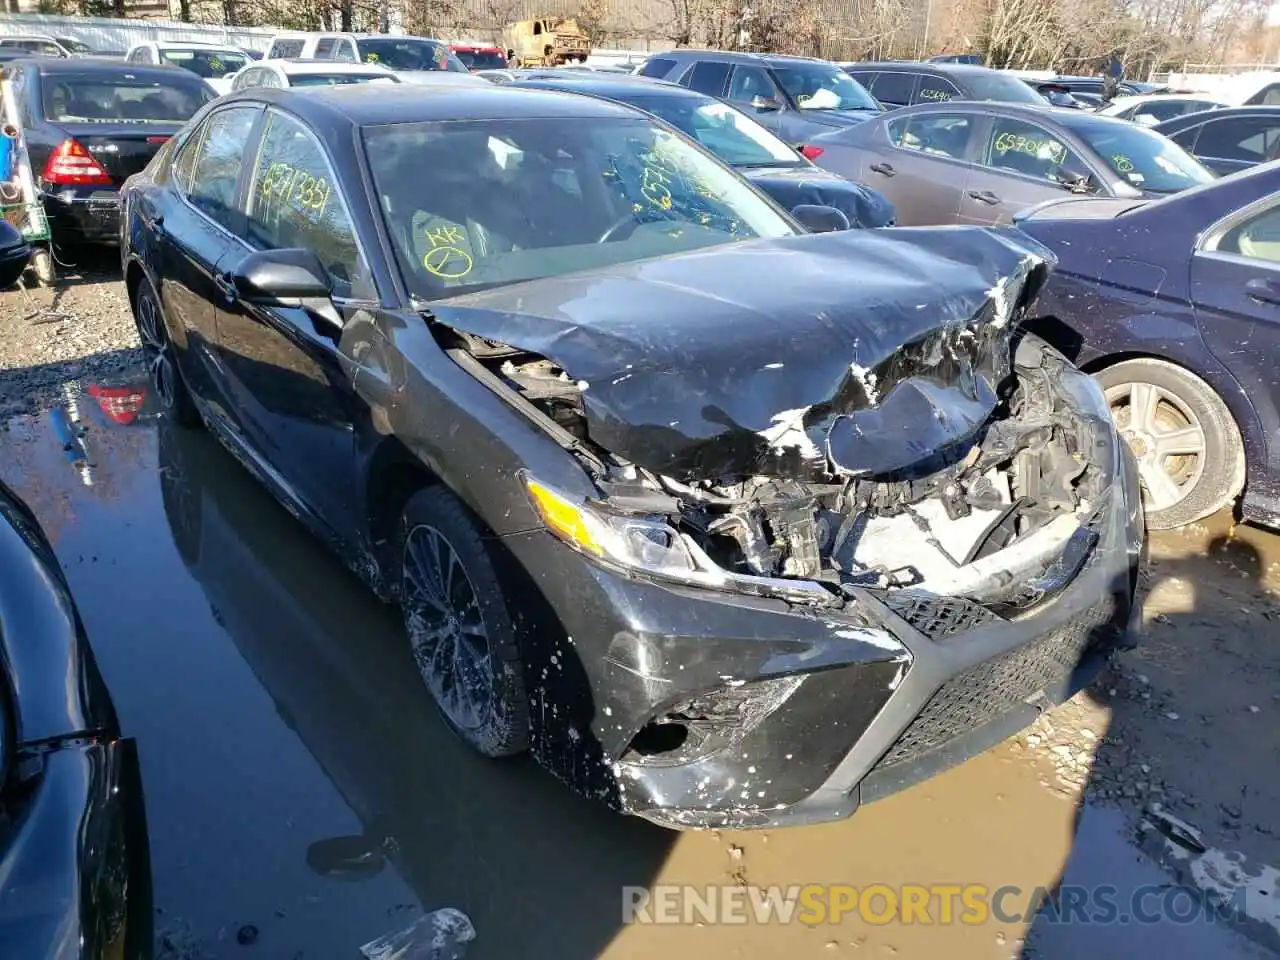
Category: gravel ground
[81,327]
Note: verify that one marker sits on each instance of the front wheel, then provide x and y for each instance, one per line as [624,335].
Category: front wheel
[459,629]
[1188,449]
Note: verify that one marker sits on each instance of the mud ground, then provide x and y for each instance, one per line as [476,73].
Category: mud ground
[281,727]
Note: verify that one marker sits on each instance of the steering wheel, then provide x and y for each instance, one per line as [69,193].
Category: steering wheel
[626,225]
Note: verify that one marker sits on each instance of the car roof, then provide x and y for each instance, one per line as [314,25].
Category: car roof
[611,85]
[734,56]
[300,66]
[957,69]
[366,105]
[108,65]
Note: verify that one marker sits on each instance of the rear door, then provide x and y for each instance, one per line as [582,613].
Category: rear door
[921,165]
[1228,144]
[198,229]
[1235,286]
[1019,164]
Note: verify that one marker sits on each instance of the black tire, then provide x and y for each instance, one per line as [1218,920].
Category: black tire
[1205,481]
[466,648]
[162,363]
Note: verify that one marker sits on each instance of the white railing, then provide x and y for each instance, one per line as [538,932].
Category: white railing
[106,33]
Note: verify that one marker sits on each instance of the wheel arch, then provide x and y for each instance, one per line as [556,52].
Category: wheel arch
[392,476]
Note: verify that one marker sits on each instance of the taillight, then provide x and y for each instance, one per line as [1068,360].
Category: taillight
[72,165]
[810,152]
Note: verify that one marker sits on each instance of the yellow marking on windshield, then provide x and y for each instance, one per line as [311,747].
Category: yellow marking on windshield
[446,259]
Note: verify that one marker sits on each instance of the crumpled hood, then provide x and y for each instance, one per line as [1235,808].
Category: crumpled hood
[854,353]
[792,186]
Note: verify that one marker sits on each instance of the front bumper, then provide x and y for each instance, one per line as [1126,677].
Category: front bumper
[810,712]
[84,214]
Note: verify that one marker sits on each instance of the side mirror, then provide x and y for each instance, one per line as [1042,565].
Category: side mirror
[14,254]
[276,276]
[820,219]
[765,104]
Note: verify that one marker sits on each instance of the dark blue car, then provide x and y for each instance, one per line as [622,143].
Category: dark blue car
[786,175]
[1174,305]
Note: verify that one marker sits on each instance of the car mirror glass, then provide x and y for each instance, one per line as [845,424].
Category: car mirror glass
[767,104]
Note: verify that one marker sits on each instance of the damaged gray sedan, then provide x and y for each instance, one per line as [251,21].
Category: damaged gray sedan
[730,523]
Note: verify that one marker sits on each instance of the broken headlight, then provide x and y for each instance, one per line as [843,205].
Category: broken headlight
[640,542]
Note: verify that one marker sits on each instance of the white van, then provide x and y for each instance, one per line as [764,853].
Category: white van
[399,53]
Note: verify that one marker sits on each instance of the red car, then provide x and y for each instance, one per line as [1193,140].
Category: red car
[480,58]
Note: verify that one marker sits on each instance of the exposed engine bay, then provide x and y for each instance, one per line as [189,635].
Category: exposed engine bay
[1002,520]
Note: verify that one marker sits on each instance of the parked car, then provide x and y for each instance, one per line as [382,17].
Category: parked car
[477,57]
[1060,96]
[1098,86]
[980,163]
[794,97]
[412,56]
[91,122]
[1227,140]
[40,45]
[971,58]
[900,84]
[784,174]
[1150,109]
[309,73]
[1267,96]
[1174,305]
[14,254]
[214,62]
[485,359]
[75,875]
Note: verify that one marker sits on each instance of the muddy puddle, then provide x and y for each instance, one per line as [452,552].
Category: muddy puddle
[303,795]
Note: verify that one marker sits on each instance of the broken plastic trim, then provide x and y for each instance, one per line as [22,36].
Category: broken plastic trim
[592,529]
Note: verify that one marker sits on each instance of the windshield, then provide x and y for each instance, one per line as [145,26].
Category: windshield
[819,86]
[100,98]
[75,46]
[409,53]
[1142,158]
[334,79]
[475,204]
[732,136]
[993,85]
[210,64]
[482,59]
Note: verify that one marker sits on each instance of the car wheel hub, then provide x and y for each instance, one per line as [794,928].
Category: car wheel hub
[1166,439]
[446,628]
[155,345]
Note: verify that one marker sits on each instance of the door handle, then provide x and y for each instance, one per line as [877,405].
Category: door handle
[983,196]
[1263,291]
[884,169]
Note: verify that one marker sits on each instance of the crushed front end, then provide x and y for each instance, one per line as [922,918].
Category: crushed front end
[780,608]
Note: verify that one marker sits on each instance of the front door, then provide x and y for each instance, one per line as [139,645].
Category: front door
[753,91]
[291,379]
[1235,286]
[1020,164]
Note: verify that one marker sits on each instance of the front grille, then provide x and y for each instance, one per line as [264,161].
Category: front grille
[989,689]
[938,617]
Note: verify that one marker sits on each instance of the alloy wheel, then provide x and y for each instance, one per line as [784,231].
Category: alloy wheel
[446,628]
[1167,440]
[155,346]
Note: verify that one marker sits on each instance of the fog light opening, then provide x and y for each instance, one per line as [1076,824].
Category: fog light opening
[658,738]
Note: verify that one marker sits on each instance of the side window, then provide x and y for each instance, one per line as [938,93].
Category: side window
[135,56]
[895,88]
[657,67]
[708,76]
[271,80]
[324,48]
[1030,150]
[346,51]
[1238,138]
[935,89]
[945,135]
[1257,238]
[749,83]
[537,28]
[295,202]
[217,163]
[865,77]
[1186,139]
[281,49]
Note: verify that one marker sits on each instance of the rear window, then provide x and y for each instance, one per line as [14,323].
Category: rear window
[482,59]
[96,98]
[656,67]
[334,79]
[281,49]
[409,53]
[210,64]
